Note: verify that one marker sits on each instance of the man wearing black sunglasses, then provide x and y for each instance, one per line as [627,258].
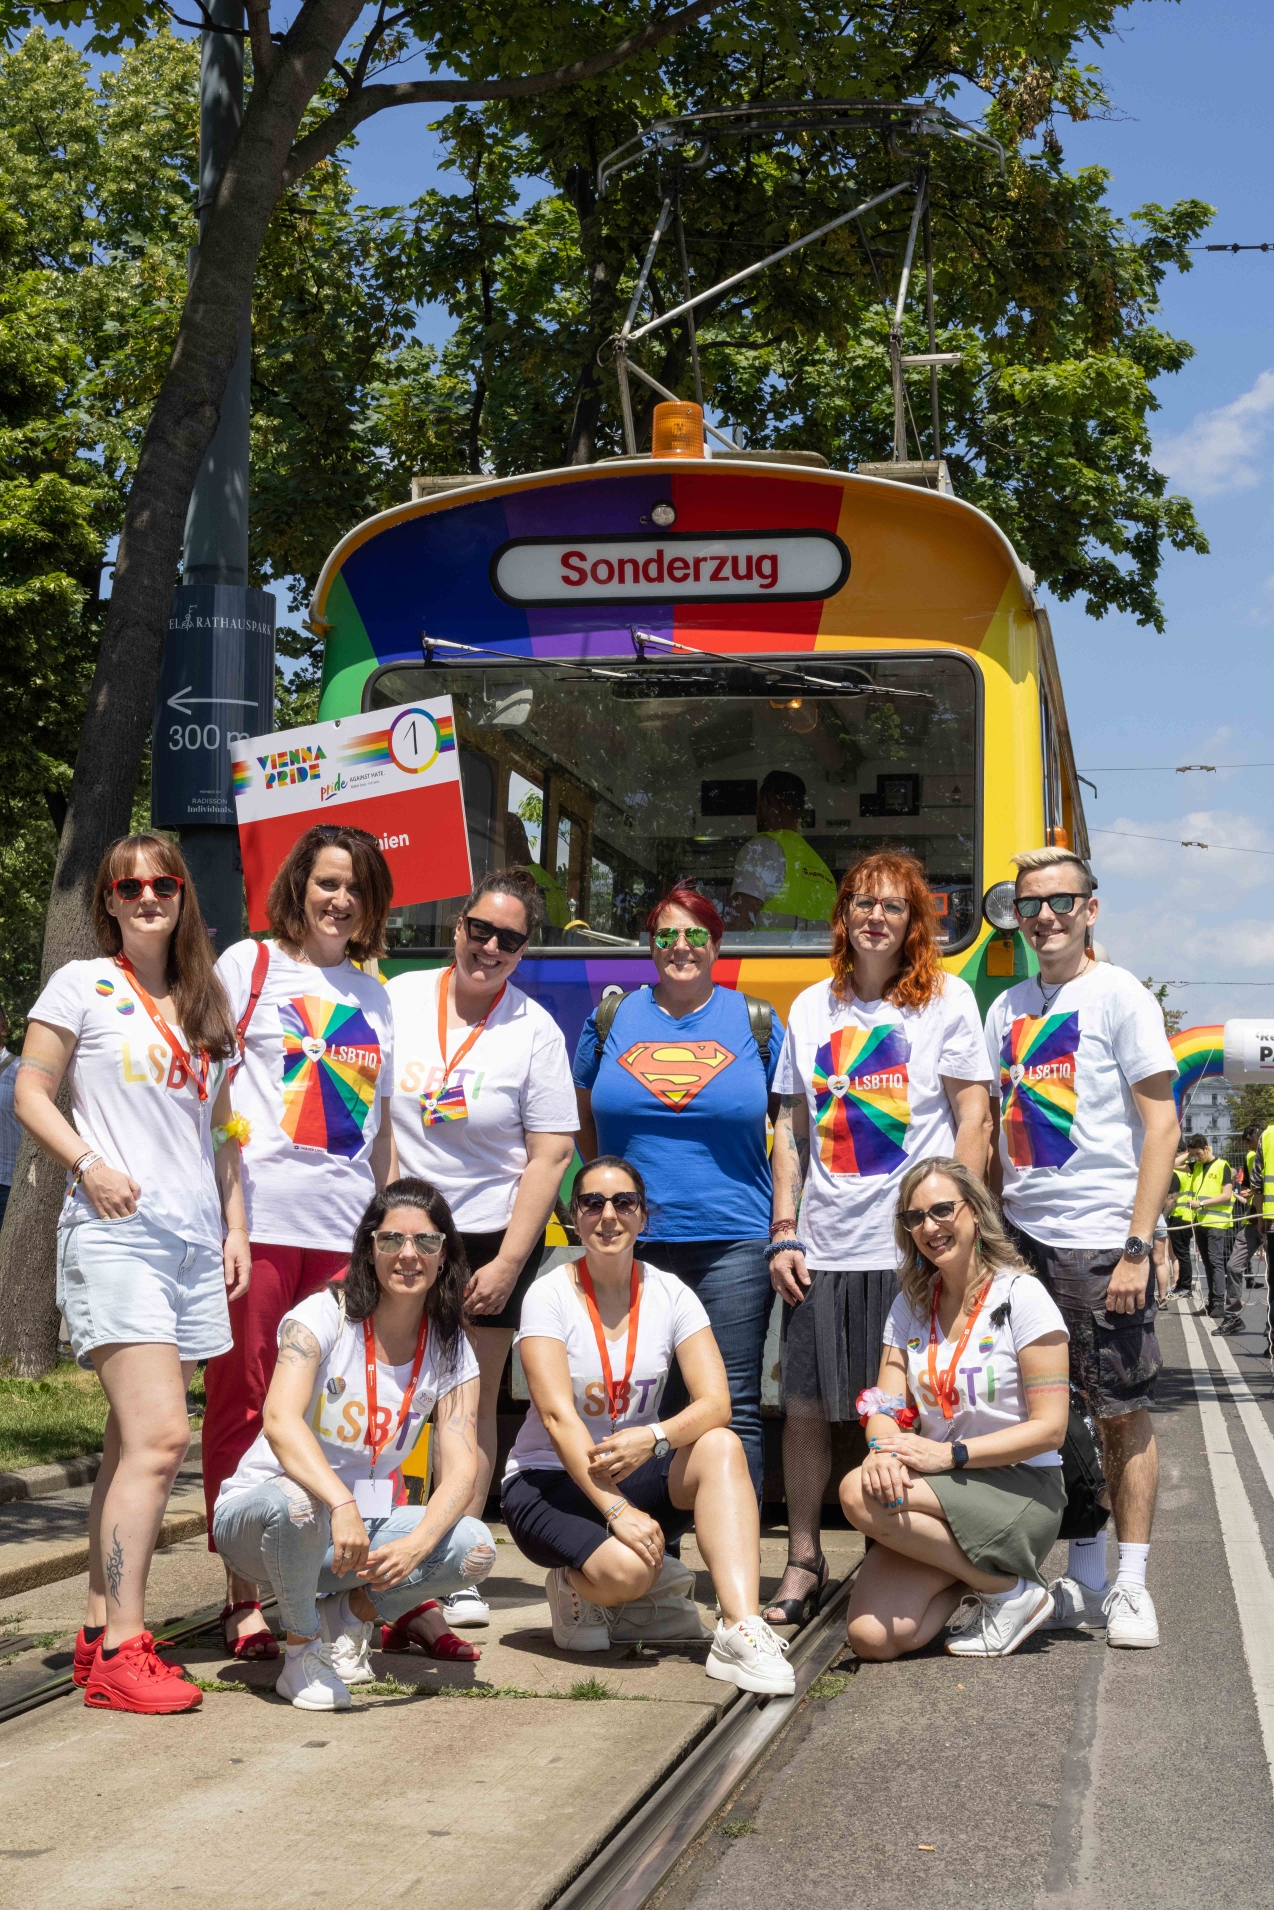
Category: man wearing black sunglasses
[1087,1133]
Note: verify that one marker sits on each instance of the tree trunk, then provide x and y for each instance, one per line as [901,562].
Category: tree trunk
[118,718]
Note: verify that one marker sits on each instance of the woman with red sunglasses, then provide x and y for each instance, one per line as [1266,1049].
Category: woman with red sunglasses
[152,1236]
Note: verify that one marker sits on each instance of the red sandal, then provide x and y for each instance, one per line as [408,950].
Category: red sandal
[447,1645]
[257,1645]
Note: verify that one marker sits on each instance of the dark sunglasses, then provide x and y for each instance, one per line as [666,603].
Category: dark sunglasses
[394,1242]
[1029,906]
[596,1203]
[130,888]
[507,940]
[913,1217]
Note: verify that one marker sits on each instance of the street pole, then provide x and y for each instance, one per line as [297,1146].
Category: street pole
[218,676]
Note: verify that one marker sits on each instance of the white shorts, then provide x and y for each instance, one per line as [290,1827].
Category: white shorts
[127,1282]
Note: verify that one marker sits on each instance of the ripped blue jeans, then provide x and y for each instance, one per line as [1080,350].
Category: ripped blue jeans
[276,1532]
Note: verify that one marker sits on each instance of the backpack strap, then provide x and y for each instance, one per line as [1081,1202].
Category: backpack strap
[604,1019]
[260,969]
[761,1022]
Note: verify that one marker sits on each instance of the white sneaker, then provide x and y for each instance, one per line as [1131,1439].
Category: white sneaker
[466,1607]
[992,1624]
[751,1656]
[1076,1607]
[348,1641]
[308,1680]
[1130,1617]
[578,1624]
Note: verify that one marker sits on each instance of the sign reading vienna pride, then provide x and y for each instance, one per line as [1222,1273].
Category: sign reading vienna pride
[216,685]
[395,773]
[747,567]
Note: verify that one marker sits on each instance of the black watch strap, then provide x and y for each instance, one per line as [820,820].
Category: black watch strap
[959,1455]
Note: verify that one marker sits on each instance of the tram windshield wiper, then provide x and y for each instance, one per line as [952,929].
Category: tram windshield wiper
[852,679]
[484,652]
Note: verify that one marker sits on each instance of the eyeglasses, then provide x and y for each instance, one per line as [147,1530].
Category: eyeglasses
[623,1204]
[1029,906]
[864,904]
[394,1243]
[130,888]
[507,940]
[913,1217]
[669,937]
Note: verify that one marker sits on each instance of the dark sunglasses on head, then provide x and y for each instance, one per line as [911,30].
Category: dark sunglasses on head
[387,1242]
[913,1217]
[507,940]
[1029,906]
[596,1203]
[695,937]
[129,888]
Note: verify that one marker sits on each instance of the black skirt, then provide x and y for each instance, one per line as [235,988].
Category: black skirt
[479,1248]
[832,1340]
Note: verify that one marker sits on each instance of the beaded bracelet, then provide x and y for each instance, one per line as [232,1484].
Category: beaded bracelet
[791,1245]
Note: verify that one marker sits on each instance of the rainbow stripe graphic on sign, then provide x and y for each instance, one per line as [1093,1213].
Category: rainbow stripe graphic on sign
[413,743]
[366,750]
[331,1058]
[242,777]
[1200,1052]
[861,1100]
[1037,1089]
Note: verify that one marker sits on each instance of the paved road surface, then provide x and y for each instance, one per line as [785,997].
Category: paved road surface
[1068,1777]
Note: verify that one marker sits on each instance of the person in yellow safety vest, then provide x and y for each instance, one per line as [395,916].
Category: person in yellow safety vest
[780,884]
[1241,1267]
[1211,1196]
[1180,1215]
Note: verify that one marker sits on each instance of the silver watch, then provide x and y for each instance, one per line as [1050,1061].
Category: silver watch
[1135,1248]
[662,1447]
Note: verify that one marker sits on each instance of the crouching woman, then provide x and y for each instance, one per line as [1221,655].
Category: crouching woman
[361,1366]
[965,1508]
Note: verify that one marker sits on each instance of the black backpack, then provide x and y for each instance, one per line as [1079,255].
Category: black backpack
[1082,1473]
[760,1020]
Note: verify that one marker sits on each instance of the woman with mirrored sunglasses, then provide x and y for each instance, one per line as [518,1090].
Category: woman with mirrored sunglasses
[483,1107]
[678,1082]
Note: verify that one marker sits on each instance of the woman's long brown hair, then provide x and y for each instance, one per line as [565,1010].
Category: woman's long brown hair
[919,978]
[203,1012]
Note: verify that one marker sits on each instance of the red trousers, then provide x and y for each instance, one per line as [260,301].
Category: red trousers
[236,1382]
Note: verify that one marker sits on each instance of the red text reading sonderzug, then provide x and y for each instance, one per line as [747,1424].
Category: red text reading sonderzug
[720,567]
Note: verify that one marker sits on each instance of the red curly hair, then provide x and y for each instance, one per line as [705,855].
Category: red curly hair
[920,977]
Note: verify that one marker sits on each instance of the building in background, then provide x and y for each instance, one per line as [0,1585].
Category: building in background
[1211,1112]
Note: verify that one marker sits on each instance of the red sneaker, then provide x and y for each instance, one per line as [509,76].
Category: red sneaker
[85,1657]
[135,1679]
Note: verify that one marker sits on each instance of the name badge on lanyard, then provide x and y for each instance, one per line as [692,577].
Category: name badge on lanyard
[447,1102]
[374,1498]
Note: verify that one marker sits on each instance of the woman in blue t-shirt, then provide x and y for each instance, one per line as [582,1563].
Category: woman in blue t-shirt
[681,1089]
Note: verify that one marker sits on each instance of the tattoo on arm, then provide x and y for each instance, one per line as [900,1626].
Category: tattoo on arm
[114,1565]
[37,1067]
[1046,1383]
[297,1344]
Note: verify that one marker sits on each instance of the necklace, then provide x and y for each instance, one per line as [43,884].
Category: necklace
[1048,999]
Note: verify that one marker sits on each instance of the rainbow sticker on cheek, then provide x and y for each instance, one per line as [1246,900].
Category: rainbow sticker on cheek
[105,987]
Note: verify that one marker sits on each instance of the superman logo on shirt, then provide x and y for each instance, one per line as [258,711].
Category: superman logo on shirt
[676,1071]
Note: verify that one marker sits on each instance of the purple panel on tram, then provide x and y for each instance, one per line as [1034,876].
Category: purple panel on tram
[571,990]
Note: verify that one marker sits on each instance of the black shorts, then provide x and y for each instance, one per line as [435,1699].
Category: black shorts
[479,1248]
[552,1522]
[1114,1357]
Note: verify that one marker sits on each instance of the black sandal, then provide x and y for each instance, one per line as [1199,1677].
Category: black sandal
[799,1611]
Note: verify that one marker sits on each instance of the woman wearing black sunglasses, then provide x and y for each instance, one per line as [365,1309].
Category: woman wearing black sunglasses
[484,1108]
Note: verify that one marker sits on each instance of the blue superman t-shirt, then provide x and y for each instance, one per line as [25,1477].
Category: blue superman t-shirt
[685,1102]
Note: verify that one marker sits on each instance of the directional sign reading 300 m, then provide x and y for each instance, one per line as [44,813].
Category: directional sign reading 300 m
[216,686]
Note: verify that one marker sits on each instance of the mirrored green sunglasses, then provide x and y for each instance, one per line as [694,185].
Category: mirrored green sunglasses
[695,937]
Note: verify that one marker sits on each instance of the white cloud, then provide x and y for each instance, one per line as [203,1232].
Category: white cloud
[1137,849]
[1222,450]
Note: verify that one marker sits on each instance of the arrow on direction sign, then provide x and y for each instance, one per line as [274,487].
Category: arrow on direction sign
[185,702]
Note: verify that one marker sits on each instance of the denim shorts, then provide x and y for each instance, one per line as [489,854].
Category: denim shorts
[131,1282]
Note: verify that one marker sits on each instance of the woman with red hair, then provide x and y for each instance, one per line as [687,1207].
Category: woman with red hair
[675,1079]
[884,1064]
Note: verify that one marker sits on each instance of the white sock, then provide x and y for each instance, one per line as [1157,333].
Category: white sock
[1132,1564]
[1014,1591]
[294,1651]
[1086,1562]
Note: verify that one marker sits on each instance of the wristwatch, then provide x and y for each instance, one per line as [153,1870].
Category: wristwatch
[662,1447]
[959,1455]
[1135,1248]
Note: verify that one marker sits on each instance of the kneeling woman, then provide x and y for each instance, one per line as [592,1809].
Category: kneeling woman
[360,1368]
[964,1509]
[595,1485]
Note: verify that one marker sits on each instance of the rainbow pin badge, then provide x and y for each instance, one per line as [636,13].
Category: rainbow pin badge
[125,1007]
[105,987]
[986,1344]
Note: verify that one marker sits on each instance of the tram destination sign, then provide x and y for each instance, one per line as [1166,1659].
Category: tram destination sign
[677,567]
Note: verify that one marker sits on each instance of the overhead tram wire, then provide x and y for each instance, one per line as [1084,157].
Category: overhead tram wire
[1183,842]
[1178,769]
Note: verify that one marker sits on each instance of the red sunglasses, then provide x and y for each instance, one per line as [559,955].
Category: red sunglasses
[129,888]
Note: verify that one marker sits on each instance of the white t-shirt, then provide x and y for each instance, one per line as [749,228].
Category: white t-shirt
[871,1074]
[554,1309]
[516,1080]
[337,1411]
[989,1390]
[1070,1134]
[760,868]
[319,1058]
[125,1105]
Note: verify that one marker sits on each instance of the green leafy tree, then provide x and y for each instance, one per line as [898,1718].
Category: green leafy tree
[1253,1106]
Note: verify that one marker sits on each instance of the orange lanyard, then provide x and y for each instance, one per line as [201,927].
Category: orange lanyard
[472,1035]
[180,1055]
[944,1385]
[617,1395]
[369,1355]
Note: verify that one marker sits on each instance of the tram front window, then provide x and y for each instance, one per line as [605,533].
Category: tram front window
[756,783]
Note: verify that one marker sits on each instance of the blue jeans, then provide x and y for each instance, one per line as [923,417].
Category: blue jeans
[732,1280]
[276,1532]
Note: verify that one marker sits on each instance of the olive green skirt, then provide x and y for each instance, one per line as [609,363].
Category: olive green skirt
[1005,1519]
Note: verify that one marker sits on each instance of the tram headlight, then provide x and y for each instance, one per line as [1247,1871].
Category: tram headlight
[997,906]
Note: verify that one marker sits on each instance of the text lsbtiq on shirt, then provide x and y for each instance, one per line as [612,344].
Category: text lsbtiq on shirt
[1065,1062]
[871,1074]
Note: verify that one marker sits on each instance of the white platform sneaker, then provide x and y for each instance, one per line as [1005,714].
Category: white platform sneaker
[993,1624]
[1131,1621]
[348,1641]
[308,1681]
[1076,1607]
[578,1624]
[751,1656]
[466,1607]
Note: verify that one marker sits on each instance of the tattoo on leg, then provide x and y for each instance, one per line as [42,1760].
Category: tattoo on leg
[114,1565]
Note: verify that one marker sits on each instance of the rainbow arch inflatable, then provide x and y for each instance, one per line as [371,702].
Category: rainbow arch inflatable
[1200,1052]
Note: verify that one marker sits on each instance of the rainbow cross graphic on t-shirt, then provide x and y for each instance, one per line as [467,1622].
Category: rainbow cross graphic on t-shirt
[331,1058]
[862,1109]
[1037,1089]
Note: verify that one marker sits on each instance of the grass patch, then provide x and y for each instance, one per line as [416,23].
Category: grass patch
[830,1685]
[217,1684]
[591,1690]
[61,1416]
[741,1827]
